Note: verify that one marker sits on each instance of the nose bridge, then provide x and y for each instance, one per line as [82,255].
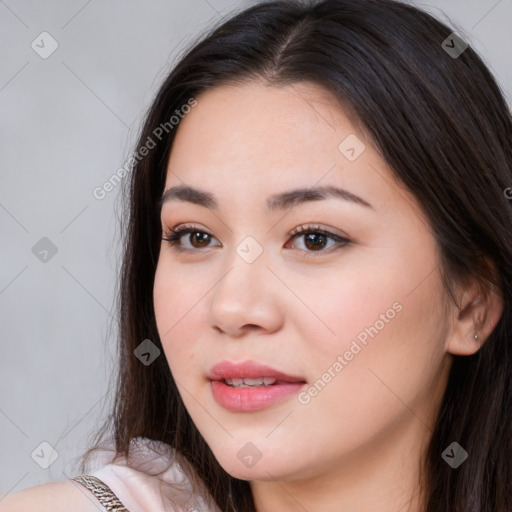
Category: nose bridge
[242,297]
[246,269]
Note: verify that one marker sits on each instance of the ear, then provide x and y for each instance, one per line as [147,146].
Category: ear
[480,308]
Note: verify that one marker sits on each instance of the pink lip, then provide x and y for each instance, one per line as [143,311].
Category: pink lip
[250,399]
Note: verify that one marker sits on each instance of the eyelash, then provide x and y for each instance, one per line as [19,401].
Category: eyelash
[173,236]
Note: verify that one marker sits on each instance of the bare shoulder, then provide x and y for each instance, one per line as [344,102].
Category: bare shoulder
[55,497]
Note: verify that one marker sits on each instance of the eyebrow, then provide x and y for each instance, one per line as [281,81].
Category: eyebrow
[281,201]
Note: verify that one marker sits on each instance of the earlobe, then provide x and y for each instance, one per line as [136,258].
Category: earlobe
[477,317]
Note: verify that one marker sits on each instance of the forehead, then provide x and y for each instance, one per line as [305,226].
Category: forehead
[258,139]
[257,123]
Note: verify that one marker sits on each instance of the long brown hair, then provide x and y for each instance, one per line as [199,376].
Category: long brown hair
[441,123]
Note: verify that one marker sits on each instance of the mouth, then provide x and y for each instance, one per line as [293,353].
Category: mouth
[250,386]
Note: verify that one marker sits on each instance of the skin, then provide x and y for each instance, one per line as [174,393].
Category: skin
[52,497]
[358,443]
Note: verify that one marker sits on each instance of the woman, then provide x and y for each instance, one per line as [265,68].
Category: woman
[316,291]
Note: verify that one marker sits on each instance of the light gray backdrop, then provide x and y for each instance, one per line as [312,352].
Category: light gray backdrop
[69,117]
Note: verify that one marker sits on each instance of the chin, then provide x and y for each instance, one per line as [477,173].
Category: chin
[262,470]
[255,461]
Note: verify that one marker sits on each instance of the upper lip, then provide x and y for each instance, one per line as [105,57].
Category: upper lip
[250,370]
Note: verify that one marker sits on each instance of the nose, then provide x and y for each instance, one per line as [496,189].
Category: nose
[245,299]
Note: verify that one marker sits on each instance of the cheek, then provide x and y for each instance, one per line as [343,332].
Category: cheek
[348,304]
[176,308]
[387,350]
[375,321]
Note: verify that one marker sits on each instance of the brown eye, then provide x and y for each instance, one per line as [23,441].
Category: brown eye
[194,238]
[201,238]
[315,241]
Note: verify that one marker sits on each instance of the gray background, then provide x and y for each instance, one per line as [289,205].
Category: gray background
[68,122]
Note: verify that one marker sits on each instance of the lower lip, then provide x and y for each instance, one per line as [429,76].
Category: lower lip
[251,399]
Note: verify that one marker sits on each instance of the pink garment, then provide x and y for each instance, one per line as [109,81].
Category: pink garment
[154,479]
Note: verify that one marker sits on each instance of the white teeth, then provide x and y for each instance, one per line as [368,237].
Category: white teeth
[248,383]
[254,382]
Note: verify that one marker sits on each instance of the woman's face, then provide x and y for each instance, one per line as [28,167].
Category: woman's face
[357,327]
